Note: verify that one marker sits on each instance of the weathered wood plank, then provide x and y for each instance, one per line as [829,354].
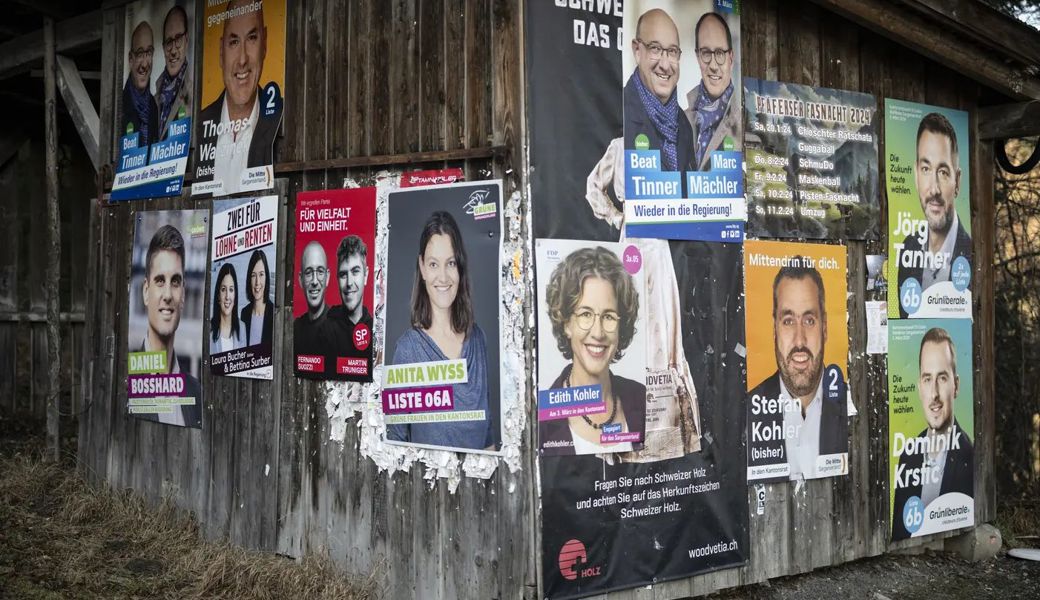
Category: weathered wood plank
[431,75]
[404,75]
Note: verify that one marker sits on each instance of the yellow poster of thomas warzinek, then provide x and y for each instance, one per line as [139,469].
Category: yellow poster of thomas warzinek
[243,74]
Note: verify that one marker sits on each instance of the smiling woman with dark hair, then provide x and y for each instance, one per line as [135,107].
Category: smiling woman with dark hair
[225,329]
[593,305]
[443,328]
[258,315]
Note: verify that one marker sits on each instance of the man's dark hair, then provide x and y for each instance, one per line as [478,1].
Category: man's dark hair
[939,125]
[796,270]
[441,222]
[166,238]
[938,335]
[177,9]
[697,30]
[349,246]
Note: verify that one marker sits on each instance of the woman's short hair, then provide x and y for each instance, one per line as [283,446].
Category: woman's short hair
[441,222]
[259,256]
[565,288]
[214,317]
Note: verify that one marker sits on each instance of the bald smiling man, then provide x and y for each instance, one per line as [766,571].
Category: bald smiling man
[651,105]
[139,108]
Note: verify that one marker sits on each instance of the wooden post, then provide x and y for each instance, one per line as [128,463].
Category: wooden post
[54,256]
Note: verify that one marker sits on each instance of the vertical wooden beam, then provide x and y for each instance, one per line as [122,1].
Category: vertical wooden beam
[54,230]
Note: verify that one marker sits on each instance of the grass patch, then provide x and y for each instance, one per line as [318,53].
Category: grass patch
[1019,523]
[61,538]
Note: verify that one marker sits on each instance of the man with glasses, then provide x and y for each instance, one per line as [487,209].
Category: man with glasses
[139,109]
[174,86]
[653,118]
[712,111]
[311,330]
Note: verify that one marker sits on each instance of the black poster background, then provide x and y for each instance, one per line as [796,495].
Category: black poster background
[574,110]
[622,553]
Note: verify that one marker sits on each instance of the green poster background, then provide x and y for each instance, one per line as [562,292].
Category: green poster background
[901,122]
[904,345]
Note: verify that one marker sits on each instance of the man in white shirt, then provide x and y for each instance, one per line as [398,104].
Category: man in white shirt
[236,132]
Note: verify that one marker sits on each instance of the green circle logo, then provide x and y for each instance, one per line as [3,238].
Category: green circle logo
[727,144]
[642,142]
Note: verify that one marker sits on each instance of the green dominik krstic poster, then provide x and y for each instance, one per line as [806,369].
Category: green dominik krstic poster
[931,426]
[927,176]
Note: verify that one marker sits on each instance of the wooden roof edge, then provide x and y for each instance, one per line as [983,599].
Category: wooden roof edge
[986,25]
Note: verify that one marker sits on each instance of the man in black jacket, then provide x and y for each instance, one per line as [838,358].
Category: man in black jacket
[940,459]
[351,319]
[139,108]
[928,256]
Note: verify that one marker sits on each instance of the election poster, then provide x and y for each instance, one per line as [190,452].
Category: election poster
[575,134]
[931,426]
[243,79]
[155,112]
[592,393]
[610,522]
[333,291]
[812,161]
[165,317]
[683,139]
[243,286]
[441,377]
[929,211]
[797,359]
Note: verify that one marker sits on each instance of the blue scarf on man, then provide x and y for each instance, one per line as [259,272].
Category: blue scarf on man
[167,88]
[665,118]
[709,113]
[142,100]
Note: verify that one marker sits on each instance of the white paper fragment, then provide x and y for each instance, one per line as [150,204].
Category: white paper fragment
[849,404]
[267,470]
[740,350]
[877,327]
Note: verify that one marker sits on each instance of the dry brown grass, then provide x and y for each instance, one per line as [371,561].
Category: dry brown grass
[62,538]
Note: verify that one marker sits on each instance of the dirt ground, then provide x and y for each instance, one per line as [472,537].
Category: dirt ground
[60,538]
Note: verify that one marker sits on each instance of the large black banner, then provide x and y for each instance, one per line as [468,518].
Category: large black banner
[574,107]
[611,526]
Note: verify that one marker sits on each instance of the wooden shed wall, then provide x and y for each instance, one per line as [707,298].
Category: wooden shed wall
[369,78]
[363,78]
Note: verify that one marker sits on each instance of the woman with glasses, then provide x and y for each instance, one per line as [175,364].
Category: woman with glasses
[593,305]
[444,328]
[224,326]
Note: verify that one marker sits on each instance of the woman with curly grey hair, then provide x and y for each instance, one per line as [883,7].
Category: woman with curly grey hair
[593,305]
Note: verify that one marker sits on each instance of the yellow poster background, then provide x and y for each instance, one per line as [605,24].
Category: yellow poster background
[274,63]
[758,287]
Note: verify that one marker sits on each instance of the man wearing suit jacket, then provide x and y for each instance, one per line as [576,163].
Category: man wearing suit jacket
[937,175]
[940,460]
[237,133]
[815,423]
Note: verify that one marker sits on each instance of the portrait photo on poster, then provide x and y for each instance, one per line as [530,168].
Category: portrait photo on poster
[931,423]
[441,374]
[165,316]
[243,285]
[927,151]
[333,287]
[158,99]
[683,127]
[797,360]
[243,78]
[592,393]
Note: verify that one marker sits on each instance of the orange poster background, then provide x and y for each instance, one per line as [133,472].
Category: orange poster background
[758,288]
[274,63]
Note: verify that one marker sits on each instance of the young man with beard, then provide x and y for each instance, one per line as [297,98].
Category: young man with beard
[351,319]
[813,425]
[937,175]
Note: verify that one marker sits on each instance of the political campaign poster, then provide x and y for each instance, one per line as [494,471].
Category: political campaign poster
[243,79]
[927,154]
[609,522]
[243,287]
[683,139]
[931,426]
[575,130]
[165,317]
[812,161]
[441,373]
[798,346]
[158,101]
[592,392]
[334,283]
